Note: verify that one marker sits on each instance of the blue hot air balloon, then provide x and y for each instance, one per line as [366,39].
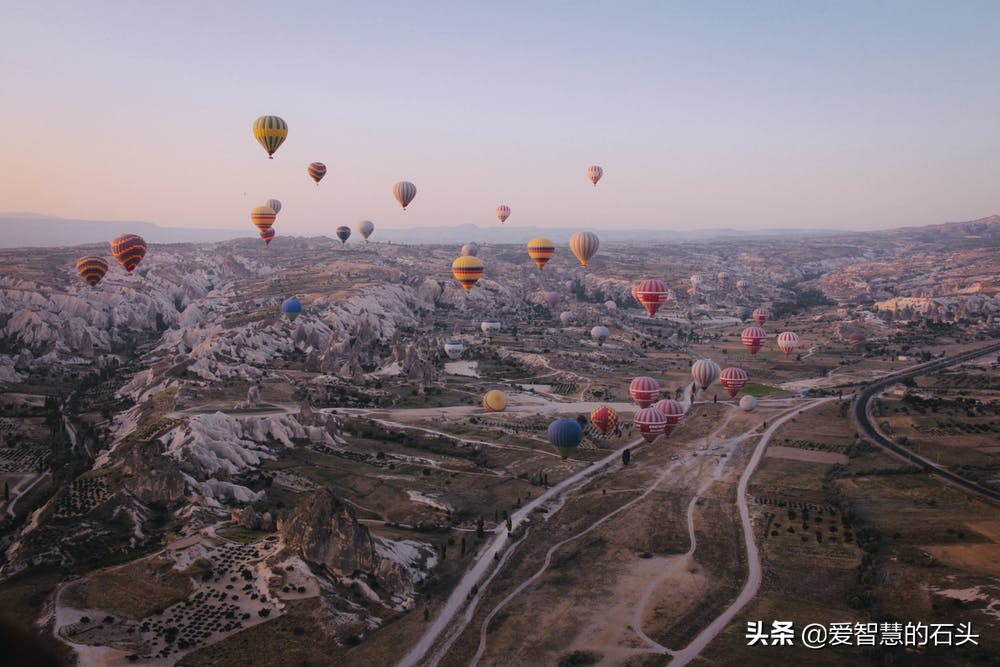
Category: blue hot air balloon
[343,233]
[565,435]
[292,308]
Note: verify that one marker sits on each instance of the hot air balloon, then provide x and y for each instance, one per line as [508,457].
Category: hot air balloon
[567,316]
[453,348]
[490,327]
[652,294]
[503,212]
[366,227]
[584,245]
[745,313]
[552,298]
[317,170]
[753,339]
[129,250]
[705,372]
[651,423]
[91,269]
[856,340]
[696,281]
[274,205]
[600,334]
[733,379]
[748,403]
[788,342]
[494,401]
[467,270]
[742,285]
[267,235]
[470,249]
[723,278]
[565,435]
[594,174]
[343,233]
[673,411]
[604,419]
[610,305]
[760,316]
[570,285]
[540,251]
[292,308]
[262,217]
[271,132]
[404,192]
[644,390]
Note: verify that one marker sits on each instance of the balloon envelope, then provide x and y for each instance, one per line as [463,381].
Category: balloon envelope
[584,245]
[594,173]
[565,435]
[270,132]
[128,249]
[317,170]
[733,379]
[454,349]
[748,403]
[494,401]
[705,372]
[292,308]
[644,390]
[404,192]
[343,233]
[604,419]
[91,269]
[467,270]
[274,205]
[503,212]
[541,250]
[470,249]
[366,227]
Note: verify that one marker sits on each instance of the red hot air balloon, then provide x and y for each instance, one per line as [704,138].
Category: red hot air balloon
[129,250]
[788,342]
[503,212]
[856,340]
[760,316]
[673,411]
[594,174]
[604,419]
[733,379]
[753,339]
[651,423]
[652,294]
[644,391]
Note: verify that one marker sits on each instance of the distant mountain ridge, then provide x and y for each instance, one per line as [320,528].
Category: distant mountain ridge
[35,230]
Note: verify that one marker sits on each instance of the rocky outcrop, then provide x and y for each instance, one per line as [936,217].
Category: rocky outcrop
[152,477]
[251,520]
[324,531]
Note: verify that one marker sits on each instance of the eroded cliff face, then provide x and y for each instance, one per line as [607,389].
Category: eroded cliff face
[324,531]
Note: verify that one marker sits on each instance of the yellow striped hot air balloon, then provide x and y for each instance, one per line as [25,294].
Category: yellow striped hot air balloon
[467,270]
[262,217]
[271,132]
[494,401]
[540,251]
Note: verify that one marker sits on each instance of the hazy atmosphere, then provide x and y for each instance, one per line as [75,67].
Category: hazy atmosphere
[720,114]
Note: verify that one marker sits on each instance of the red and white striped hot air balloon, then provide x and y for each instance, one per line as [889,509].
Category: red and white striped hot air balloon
[594,174]
[503,212]
[733,379]
[651,423]
[644,390]
[760,316]
[704,372]
[673,411]
[651,293]
[753,339]
[788,342]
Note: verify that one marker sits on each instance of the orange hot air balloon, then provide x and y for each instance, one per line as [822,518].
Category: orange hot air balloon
[262,217]
[467,270]
[317,170]
[604,419]
[91,269]
[129,250]
[540,250]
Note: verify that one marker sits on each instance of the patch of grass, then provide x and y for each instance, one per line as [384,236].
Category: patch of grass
[756,389]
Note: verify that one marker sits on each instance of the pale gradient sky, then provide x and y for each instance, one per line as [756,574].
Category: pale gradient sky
[704,114]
